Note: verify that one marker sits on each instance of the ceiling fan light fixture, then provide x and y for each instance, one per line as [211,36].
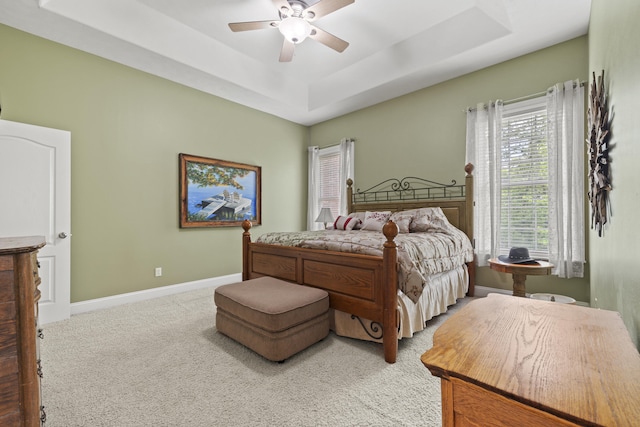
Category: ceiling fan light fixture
[295,29]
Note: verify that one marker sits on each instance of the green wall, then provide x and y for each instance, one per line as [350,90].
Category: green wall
[423,133]
[614,36]
[127,128]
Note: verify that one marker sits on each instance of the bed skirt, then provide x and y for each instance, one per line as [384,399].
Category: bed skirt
[441,291]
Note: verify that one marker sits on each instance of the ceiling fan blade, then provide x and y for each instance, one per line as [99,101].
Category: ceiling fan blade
[324,7]
[328,39]
[253,25]
[286,54]
[282,4]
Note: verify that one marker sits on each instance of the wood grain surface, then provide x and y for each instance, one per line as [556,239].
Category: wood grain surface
[574,362]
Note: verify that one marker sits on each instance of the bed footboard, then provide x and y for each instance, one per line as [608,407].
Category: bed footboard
[363,285]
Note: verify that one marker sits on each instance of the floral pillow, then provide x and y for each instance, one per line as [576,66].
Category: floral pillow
[345,222]
[430,219]
[374,221]
[403,220]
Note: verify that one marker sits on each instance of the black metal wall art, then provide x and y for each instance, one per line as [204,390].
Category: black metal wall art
[599,171]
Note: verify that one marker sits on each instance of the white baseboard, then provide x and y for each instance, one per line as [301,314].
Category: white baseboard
[483,291]
[115,300]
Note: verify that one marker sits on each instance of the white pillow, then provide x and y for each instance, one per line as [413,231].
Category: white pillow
[345,223]
[403,220]
[374,221]
[430,219]
[360,217]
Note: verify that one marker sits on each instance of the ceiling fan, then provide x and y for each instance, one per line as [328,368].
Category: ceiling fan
[296,24]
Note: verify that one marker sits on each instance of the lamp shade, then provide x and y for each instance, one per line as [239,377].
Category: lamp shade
[325,216]
[295,29]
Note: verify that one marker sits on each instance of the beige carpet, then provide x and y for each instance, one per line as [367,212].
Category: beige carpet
[162,363]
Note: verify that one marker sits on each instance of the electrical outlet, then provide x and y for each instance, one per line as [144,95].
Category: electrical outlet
[158,271]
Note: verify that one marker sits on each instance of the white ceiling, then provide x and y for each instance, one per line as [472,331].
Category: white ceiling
[396,46]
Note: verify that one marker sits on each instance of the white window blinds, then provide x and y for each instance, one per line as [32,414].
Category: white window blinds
[524,218]
[329,195]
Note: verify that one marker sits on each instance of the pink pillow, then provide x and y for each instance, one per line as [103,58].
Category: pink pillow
[374,221]
[345,223]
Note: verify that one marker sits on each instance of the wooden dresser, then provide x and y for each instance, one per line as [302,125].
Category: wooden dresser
[529,362]
[19,359]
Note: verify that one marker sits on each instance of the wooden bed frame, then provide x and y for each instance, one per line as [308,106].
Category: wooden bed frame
[363,285]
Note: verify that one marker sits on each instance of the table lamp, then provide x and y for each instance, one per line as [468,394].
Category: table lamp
[325,216]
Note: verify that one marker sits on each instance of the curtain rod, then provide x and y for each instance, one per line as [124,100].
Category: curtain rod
[522,98]
[336,145]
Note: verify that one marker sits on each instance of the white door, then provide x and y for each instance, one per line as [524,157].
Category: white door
[35,200]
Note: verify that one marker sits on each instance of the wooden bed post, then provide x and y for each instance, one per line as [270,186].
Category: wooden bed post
[468,192]
[390,293]
[246,239]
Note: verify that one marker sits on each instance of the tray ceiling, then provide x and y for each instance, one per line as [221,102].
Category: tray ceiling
[395,47]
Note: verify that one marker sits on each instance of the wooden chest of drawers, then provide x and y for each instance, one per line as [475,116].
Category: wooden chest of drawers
[19,364]
[506,361]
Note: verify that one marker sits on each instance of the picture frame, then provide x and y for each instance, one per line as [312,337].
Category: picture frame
[218,193]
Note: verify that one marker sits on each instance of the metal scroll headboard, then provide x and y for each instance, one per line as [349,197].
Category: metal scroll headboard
[408,189]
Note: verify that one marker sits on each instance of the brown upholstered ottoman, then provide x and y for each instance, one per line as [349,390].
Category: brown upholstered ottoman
[274,318]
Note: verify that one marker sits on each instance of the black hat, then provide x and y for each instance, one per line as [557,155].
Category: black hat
[517,256]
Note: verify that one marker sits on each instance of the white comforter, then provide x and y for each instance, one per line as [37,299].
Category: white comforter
[419,254]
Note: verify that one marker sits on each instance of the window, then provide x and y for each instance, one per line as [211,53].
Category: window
[329,179]
[524,195]
[329,169]
[529,177]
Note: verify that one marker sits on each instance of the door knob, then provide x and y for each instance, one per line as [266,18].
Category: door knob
[64,235]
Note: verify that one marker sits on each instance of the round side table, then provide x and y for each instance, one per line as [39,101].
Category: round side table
[520,272]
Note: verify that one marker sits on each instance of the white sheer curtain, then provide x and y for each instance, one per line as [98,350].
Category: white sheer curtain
[483,151]
[565,136]
[314,189]
[346,171]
